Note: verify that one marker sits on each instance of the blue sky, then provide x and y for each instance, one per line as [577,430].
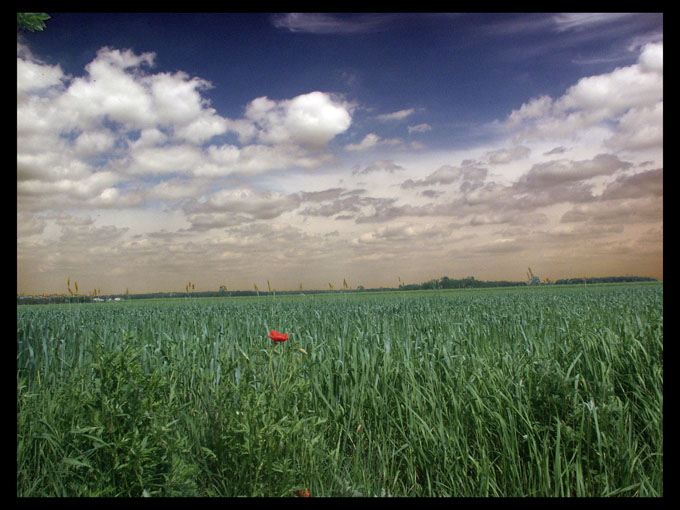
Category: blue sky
[365,147]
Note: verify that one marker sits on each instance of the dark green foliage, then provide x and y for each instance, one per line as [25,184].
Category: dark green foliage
[110,431]
[32,21]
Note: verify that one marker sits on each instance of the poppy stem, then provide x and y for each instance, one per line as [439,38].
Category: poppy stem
[271,371]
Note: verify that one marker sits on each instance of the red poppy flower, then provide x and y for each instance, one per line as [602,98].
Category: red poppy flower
[278,337]
[302,493]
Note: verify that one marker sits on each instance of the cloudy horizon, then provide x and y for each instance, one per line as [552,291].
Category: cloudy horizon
[314,148]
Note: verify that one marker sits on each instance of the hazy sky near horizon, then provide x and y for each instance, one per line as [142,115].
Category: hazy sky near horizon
[155,150]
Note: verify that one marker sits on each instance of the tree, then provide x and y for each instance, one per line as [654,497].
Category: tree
[31,21]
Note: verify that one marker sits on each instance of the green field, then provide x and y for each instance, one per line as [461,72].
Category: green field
[547,391]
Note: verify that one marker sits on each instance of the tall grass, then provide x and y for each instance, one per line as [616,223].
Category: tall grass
[554,391]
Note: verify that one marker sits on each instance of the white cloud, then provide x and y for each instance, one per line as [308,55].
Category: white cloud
[639,128]
[419,128]
[50,165]
[324,23]
[470,176]
[616,212]
[611,94]
[261,204]
[401,114]
[244,129]
[558,172]
[585,20]
[178,103]
[255,159]
[174,189]
[94,142]
[501,156]
[85,188]
[310,120]
[401,233]
[651,58]
[110,91]
[613,101]
[148,138]
[172,159]
[33,76]
[229,207]
[377,166]
[29,225]
[176,97]
[536,108]
[121,117]
[370,140]
[202,128]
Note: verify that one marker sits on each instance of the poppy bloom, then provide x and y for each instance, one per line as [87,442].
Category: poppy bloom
[278,337]
[302,493]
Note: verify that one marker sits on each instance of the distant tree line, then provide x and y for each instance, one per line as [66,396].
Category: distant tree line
[463,283]
[470,282]
[45,300]
[605,279]
[444,282]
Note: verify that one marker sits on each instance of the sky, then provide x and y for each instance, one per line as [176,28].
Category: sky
[308,149]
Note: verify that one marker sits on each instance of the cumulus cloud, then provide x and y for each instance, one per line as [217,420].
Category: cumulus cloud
[381,165]
[228,207]
[97,141]
[535,108]
[175,189]
[255,159]
[609,95]
[619,212]
[470,177]
[627,101]
[75,139]
[29,225]
[33,76]
[310,120]
[111,90]
[81,236]
[651,58]
[371,141]
[643,184]
[400,233]
[558,172]
[320,196]
[639,128]
[346,203]
[96,138]
[165,160]
[263,205]
[95,184]
[476,201]
[177,98]
[502,156]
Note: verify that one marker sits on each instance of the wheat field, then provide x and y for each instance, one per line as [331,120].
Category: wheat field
[518,392]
